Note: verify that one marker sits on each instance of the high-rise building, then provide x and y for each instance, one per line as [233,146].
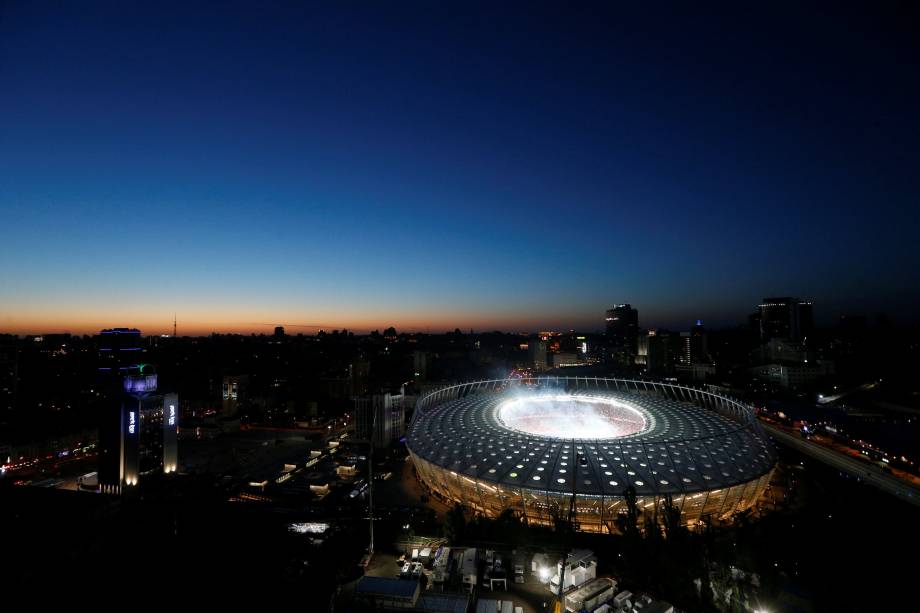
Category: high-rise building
[359,373]
[380,418]
[420,365]
[234,392]
[785,318]
[694,346]
[119,348]
[139,429]
[658,351]
[536,351]
[138,436]
[623,333]
[9,378]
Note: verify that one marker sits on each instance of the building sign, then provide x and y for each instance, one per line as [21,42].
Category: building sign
[135,384]
[172,415]
[132,422]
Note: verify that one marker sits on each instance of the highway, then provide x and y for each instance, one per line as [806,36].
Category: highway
[863,470]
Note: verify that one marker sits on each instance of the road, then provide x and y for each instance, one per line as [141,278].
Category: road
[865,387]
[857,468]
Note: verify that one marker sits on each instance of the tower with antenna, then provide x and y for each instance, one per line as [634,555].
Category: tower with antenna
[174,325]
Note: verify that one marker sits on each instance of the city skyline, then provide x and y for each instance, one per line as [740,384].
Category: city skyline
[430,169]
[513,324]
[509,307]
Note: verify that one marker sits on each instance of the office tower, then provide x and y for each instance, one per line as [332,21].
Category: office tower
[119,348]
[658,351]
[623,334]
[785,318]
[380,418]
[234,393]
[536,351]
[139,429]
[9,378]
[694,345]
[420,365]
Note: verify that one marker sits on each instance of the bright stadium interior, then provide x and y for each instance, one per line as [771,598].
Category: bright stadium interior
[572,416]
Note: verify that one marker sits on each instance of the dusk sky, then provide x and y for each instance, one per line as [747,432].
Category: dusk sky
[430,167]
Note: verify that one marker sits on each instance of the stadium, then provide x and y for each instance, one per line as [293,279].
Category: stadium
[528,444]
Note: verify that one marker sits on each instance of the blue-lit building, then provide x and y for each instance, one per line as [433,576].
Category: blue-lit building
[139,430]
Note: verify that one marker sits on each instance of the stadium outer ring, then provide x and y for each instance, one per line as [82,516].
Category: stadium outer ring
[597,510]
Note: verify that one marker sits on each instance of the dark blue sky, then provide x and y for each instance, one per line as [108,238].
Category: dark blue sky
[518,167]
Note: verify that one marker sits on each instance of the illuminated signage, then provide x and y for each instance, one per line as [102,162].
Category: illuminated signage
[172,415]
[132,422]
[140,383]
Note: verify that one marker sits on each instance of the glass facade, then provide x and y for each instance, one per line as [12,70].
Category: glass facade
[594,513]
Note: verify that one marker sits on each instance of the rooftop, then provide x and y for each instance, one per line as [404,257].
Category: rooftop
[386,586]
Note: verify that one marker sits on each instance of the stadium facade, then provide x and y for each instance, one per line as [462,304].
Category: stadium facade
[528,444]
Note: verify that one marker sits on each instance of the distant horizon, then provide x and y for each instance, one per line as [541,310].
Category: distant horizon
[197,329]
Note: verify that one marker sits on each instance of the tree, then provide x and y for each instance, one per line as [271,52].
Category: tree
[652,529]
[670,512]
[628,522]
[508,527]
[628,525]
[455,525]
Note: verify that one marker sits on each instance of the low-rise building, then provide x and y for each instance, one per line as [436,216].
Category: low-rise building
[591,594]
[623,600]
[468,568]
[581,567]
[386,593]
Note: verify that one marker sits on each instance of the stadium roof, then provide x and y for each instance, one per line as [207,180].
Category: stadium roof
[683,448]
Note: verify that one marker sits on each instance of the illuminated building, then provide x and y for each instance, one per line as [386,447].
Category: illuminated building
[234,393]
[793,376]
[658,351]
[622,328]
[118,346]
[565,360]
[694,359]
[694,346]
[385,414]
[785,318]
[527,444]
[139,429]
[536,350]
[9,379]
